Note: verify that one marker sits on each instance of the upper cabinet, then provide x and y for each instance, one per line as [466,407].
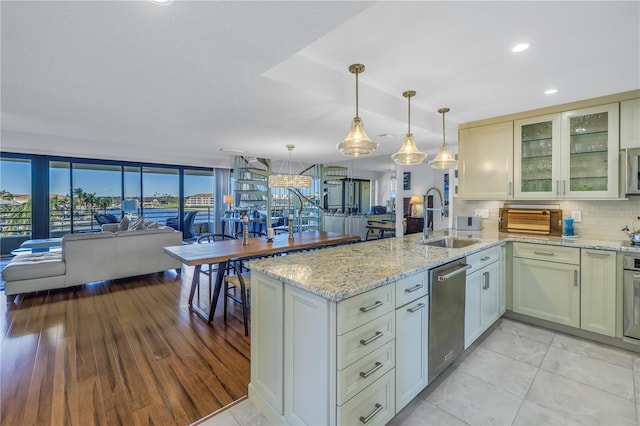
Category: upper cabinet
[630,124]
[536,152]
[485,166]
[570,155]
[590,152]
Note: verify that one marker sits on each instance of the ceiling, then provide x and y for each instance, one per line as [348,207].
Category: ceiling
[177,83]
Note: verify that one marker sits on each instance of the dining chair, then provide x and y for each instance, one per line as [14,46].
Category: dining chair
[210,271]
[240,281]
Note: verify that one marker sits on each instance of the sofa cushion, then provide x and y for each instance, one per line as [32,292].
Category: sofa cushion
[124,224]
[34,265]
[136,224]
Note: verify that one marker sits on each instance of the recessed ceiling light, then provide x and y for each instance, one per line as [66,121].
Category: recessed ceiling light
[550,91]
[163,2]
[520,47]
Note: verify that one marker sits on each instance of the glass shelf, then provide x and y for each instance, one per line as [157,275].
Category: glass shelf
[531,157]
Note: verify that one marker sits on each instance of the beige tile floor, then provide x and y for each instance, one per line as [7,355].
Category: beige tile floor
[516,374]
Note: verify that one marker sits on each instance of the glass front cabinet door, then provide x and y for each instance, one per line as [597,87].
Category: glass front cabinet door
[570,155]
[590,152]
[537,157]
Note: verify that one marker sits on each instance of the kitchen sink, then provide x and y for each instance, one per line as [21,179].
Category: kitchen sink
[449,242]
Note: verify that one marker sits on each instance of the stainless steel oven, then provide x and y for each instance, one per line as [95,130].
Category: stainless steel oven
[633,171]
[631,297]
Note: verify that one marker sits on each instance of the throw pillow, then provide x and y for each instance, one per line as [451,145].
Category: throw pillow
[136,224]
[151,225]
[124,224]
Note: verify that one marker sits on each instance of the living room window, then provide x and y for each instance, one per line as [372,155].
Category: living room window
[15,199]
[48,196]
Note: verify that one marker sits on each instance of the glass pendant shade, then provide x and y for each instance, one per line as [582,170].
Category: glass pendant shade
[444,159]
[283,180]
[357,143]
[409,153]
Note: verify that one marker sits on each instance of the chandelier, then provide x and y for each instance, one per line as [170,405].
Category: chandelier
[283,180]
[357,143]
[409,153]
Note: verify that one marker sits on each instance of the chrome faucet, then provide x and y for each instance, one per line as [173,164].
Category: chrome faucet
[444,211]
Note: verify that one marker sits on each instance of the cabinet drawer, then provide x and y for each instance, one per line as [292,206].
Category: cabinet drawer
[548,253]
[483,258]
[373,406]
[357,343]
[411,288]
[365,307]
[364,372]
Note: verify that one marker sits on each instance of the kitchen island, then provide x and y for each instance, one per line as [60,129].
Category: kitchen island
[314,312]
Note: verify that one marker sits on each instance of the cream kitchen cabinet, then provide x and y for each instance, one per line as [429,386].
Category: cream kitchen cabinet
[483,293]
[598,291]
[412,338]
[536,153]
[630,124]
[590,152]
[546,282]
[485,170]
[314,361]
[569,155]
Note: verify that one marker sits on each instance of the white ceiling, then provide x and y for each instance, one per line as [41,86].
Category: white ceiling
[176,83]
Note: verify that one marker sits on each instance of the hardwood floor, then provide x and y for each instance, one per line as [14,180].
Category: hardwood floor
[123,352]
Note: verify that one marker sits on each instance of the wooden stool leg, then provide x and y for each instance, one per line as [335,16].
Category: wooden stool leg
[243,295]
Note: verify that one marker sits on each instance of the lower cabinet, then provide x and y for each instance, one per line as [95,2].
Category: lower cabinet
[546,282]
[483,293]
[598,291]
[412,350]
[318,362]
[482,302]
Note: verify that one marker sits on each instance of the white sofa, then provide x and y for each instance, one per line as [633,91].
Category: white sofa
[91,257]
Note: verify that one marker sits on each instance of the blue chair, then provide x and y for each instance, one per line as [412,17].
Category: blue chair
[187,232]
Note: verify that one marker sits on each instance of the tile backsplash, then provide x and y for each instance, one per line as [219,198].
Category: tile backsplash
[600,219]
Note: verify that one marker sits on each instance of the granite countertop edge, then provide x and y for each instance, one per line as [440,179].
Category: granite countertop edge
[336,273]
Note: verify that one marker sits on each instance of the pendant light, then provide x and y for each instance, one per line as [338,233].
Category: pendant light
[357,143]
[409,153]
[444,159]
[283,180]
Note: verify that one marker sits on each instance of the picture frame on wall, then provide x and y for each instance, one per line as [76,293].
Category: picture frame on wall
[406,181]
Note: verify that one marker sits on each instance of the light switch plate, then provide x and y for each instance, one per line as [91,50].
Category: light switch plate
[576,215]
[484,213]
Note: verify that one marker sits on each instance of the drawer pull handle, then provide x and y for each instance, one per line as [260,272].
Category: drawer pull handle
[365,420]
[376,367]
[412,289]
[544,253]
[484,259]
[375,305]
[372,338]
[575,278]
[417,308]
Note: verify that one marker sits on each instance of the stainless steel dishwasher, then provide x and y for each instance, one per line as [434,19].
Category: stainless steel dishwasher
[446,315]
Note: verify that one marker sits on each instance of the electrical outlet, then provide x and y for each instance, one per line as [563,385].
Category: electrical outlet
[576,215]
[482,213]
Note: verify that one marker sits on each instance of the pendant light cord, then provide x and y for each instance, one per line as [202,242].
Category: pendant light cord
[409,114]
[444,141]
[357,93]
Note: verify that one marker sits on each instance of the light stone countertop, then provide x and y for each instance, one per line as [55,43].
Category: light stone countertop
[338,273]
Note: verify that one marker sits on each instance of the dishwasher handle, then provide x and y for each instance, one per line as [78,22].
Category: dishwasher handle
[462,267]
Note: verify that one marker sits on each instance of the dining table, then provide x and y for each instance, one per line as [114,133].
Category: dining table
[224,251]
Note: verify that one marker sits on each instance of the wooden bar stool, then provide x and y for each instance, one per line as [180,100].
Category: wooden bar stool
[241,281]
